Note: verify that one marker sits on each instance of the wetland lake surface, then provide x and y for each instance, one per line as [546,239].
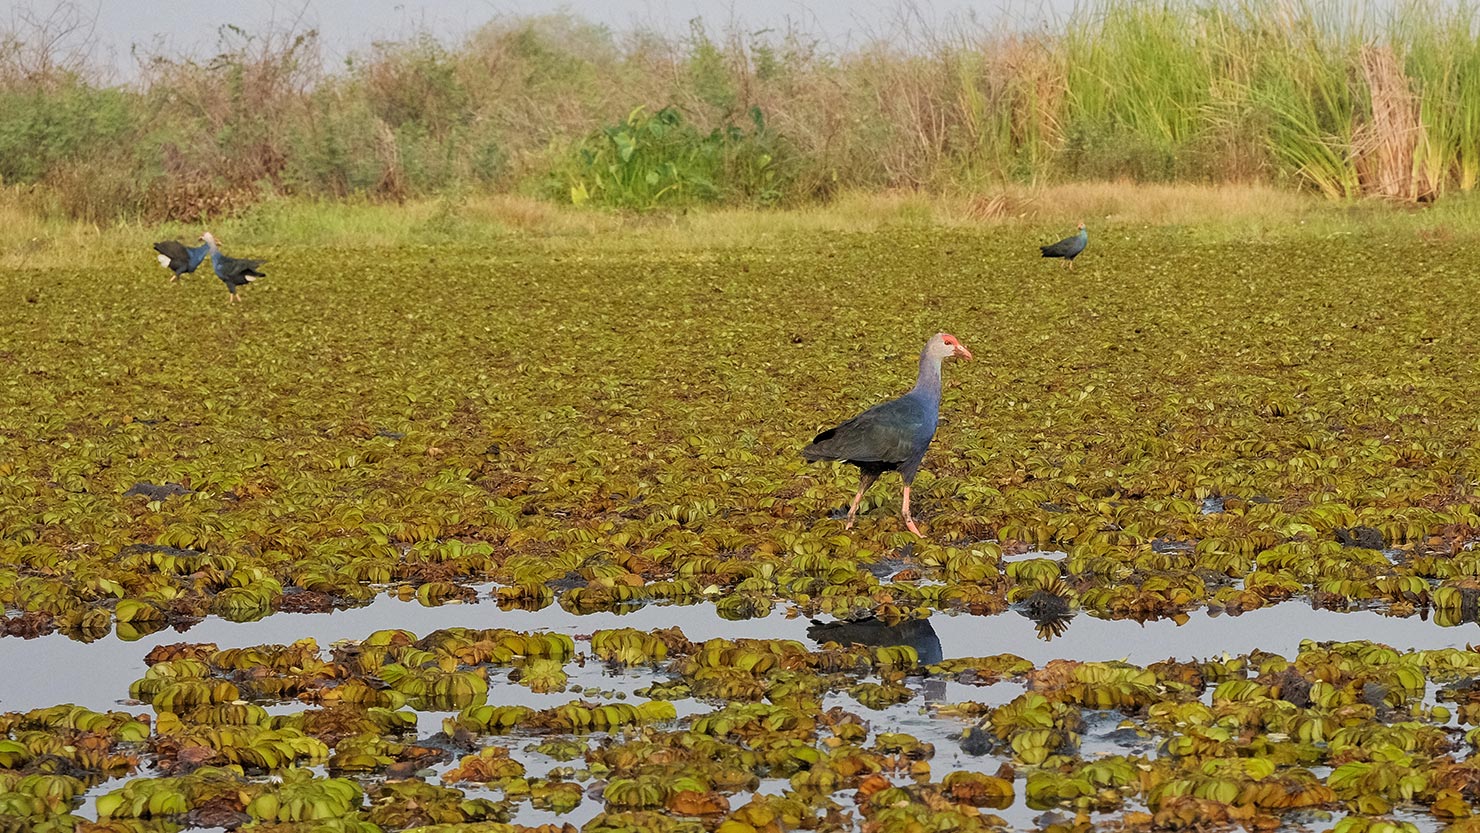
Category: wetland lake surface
[452,538]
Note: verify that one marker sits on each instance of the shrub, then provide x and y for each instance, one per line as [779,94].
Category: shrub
[653,159]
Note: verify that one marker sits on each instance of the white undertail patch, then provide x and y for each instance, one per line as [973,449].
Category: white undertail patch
[164,261]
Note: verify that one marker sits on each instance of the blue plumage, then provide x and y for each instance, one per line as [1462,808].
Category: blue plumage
[197,256]
[233,271]
[892,436]
[1068,248]
[180,259]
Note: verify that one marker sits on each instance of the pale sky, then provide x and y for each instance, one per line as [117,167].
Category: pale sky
[189,26]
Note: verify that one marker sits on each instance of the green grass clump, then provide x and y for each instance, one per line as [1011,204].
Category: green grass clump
[1140,77]
[659,159]
[1444,63]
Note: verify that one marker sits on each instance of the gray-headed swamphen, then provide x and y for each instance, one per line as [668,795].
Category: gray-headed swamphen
[1068,248]
[179,258]
[233,271]
[892,436]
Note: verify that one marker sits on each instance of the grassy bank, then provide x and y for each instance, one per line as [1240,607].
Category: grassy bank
[1338,99]
[1229,213]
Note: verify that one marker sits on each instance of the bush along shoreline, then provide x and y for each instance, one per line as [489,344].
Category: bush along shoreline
[1342,100]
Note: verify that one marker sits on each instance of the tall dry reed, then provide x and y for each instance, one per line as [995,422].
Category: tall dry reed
[1338,97]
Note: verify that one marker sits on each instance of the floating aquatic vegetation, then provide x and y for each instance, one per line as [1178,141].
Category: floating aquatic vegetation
[492,763]
[1217,426]
[411,804]
[628,646]
[978,790]
[1240,739]
[880,695]
[304,798]
[1309,426]
[1099,785]
[542,676]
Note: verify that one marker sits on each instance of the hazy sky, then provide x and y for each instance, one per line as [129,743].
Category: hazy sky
[189,26]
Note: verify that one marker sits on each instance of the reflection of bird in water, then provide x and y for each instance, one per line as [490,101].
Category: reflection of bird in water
[1051,609]
[895,435]
[916,633]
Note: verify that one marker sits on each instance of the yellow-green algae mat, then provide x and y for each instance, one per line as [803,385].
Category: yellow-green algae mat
[616,426]
[1340,735]
[1222,427]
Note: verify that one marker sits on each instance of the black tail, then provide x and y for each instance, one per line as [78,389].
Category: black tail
[815,451]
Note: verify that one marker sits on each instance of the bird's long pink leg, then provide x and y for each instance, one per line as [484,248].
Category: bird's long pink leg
[858,498]
[909,522]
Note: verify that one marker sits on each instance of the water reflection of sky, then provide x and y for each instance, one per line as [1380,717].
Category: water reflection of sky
[55,669]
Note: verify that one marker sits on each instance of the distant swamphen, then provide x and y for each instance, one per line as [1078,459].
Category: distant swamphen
[1068,248]
[892,436]
[233,271]
[179,259]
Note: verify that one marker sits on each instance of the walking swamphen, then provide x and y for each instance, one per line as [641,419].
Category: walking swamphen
[233,271]
[892,436]
[178,258]
[1068,248]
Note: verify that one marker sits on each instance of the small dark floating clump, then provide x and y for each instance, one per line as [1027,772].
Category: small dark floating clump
[153,492]
[1364,537]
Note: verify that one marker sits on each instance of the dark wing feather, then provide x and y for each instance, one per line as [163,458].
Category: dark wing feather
[177,253]
[235,266]
[1068,247]
[237,270]
[894,432]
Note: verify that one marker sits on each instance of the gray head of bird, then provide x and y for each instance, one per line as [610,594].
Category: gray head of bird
[208,238]
[946,346]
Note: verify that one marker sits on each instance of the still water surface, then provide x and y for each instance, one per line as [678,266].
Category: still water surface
[54,669]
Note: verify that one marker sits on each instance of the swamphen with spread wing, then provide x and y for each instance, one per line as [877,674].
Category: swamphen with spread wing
[1068,248]
[178,258]
[233,271]
[892,436]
